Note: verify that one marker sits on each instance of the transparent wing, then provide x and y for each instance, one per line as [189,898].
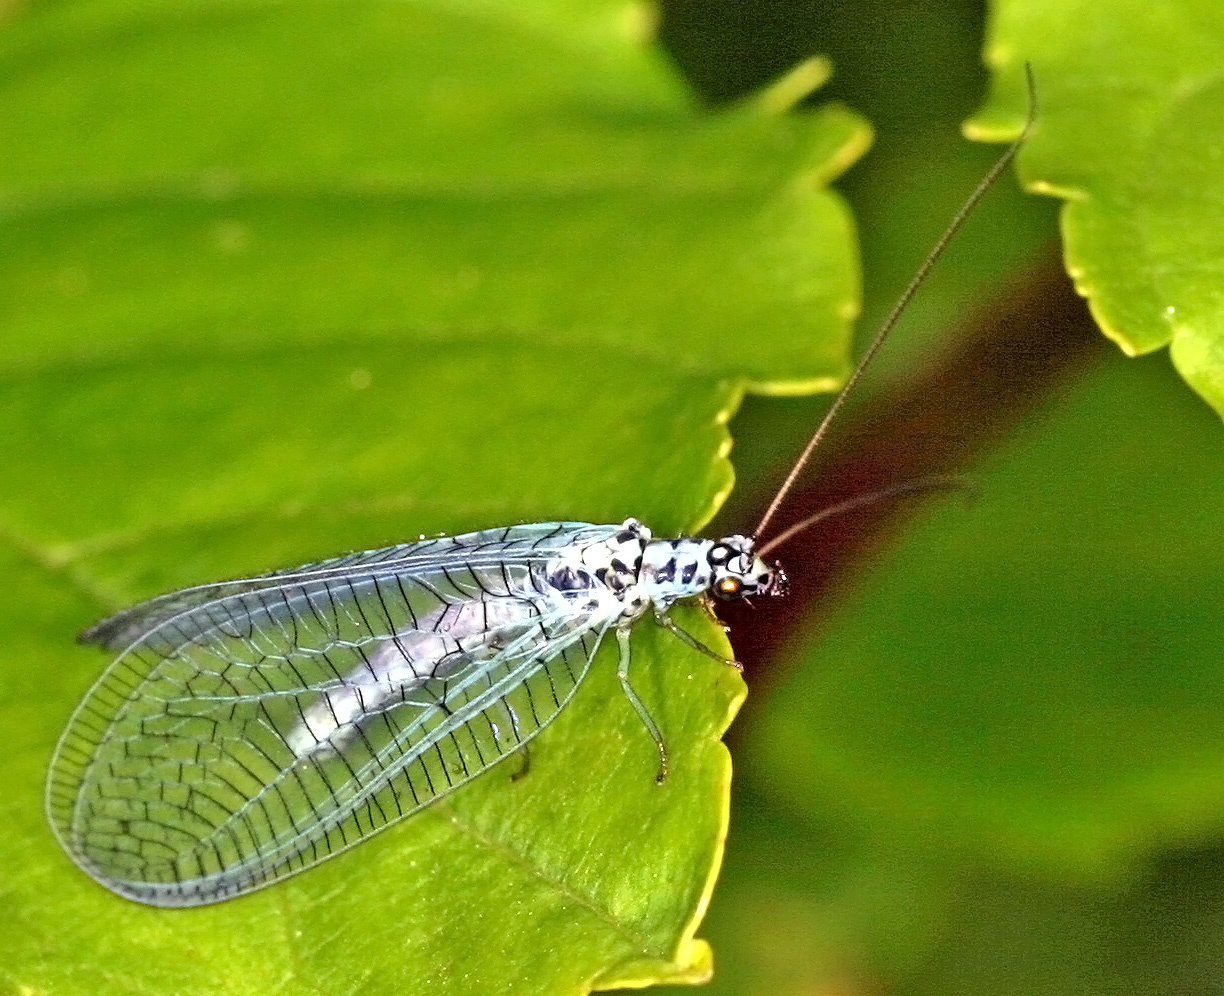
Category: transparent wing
[251,729]
[204,605]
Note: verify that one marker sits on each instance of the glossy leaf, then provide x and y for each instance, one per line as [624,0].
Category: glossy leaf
[1130,138]
[284,281]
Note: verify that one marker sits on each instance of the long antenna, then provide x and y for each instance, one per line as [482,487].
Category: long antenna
[937,482]
[916,281]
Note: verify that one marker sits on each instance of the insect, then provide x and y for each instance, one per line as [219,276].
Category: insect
[249,729]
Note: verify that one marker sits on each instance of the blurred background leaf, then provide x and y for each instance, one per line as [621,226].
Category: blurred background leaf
[982,754]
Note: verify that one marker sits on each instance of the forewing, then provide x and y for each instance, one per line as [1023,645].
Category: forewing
[252,729]
[204,606]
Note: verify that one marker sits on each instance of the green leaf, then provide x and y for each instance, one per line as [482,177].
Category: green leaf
[284,281]
[1021,675]
[1129,136]
[996,755]
[882,839]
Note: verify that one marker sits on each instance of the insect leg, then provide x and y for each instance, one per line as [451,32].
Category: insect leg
[669,624]
[622,672]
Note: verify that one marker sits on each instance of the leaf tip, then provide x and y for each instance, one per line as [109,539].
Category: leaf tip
[794,85]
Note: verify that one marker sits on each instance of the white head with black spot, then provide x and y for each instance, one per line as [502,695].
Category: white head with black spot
[737,571]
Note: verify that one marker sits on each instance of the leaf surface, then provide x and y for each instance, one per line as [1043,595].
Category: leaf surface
[285,281]
[1130,137]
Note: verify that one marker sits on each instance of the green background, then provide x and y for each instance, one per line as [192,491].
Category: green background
[280,281]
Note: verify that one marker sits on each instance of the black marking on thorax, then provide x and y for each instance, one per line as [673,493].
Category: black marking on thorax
[620,568]
[676,564]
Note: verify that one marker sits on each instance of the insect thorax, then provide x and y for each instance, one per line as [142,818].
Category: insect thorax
[642,571]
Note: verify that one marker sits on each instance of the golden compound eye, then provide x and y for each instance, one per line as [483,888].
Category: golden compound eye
[729,586]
